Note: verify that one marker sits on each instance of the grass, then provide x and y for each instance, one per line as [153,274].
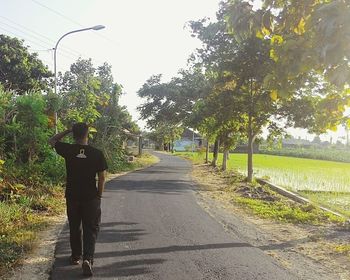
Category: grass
[297,174]
[22,216]
[311,178]
[339,202]
[145,160]
[196,157]
[286,212]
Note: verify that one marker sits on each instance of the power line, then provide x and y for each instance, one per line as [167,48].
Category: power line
[44,50]
[41,35]
[44,45]
[48,46]
[35,43]
[40,45]
[71,20]
[57,13]
[39,39]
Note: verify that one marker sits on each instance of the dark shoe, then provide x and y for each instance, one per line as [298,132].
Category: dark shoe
[87,268]
[74,260]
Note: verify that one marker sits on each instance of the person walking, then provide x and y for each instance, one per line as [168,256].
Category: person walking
[83,198]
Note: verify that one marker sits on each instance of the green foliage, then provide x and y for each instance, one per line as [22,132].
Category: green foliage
[172,103]
[31,174]
[88,94]
[21,71]
[267,68]
[21,217]
[305,36]
[32,134]
[283,212]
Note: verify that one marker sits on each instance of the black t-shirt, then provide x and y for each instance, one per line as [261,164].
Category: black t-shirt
[82,164]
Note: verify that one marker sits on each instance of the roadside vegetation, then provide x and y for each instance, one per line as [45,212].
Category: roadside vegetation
[286,170]
[260,70]
[31,174]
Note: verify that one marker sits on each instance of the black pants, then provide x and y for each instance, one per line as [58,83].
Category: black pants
[84,219]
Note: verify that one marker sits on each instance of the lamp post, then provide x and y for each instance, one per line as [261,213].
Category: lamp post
[96,27]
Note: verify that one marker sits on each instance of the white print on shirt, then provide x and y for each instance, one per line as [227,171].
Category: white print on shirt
[82,154]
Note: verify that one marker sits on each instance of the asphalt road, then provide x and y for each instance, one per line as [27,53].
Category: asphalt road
[152,228]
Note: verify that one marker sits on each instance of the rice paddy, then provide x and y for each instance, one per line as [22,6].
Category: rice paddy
[297,174]
[324,182]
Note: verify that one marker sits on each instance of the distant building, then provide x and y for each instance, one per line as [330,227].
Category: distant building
[189,140]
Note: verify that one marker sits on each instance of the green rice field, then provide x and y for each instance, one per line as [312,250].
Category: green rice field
[297,174]
[325,182]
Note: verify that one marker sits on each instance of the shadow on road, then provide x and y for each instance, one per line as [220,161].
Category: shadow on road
[170,249]
[109,234]
[157,186]
[127,268]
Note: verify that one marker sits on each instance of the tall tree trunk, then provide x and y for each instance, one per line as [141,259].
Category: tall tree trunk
[140,146]
[224,160]
[215,152]
[250,136]
[207,152]
[172,146]
[250,157]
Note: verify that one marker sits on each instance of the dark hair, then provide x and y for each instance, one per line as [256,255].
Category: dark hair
[80,130]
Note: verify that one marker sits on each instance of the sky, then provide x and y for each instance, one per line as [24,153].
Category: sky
[141,38]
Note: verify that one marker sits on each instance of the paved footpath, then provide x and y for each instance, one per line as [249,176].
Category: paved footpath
[152,228]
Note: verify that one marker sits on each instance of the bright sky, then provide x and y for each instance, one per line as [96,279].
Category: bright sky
[141,37]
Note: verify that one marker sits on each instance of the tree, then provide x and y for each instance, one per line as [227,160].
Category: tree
[168,107]
[90,95]
[172,102]
[21,71]
[240,68]
[23,126]
[267,92]
[33,131]
[79,93]
[306,36]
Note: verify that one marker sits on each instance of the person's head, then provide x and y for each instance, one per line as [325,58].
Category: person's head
[80,131]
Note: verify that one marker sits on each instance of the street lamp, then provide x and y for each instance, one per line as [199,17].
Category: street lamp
[96,27]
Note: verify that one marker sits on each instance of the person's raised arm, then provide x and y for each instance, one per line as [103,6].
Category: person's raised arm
[101,182]
[58,137]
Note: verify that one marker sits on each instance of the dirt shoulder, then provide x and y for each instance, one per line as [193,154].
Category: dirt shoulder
[305,250]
